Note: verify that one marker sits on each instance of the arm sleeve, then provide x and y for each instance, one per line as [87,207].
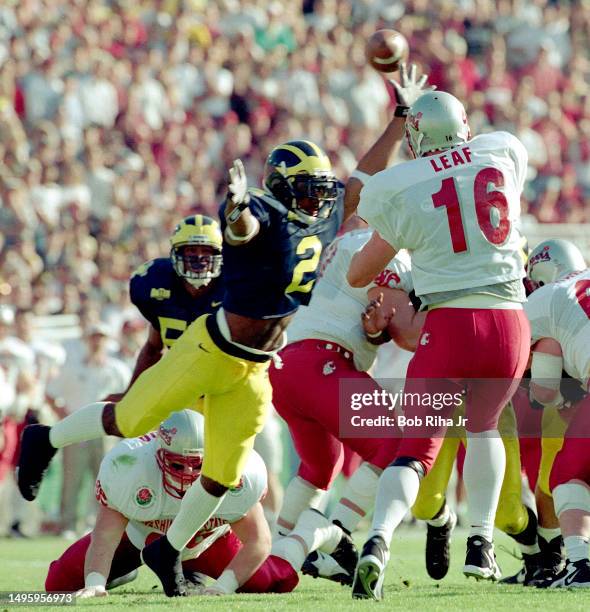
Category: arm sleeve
[537,309]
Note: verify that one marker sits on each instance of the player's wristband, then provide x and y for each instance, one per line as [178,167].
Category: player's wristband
[94,579]
[375,335]
[401,111]
[227,582]
[236,213]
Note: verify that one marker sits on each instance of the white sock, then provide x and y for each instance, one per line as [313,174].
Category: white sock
[304,539]
[576,547]
[196,508]
[548,533]
[357,498]
[442,518]
[485,463]
[299,495]
[80,426]
[396,494]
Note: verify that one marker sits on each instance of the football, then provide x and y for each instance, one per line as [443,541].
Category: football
[385,49]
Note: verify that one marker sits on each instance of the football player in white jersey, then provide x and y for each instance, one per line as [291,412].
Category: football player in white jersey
[140,486]
[327,344]
[455,207]
[559,313]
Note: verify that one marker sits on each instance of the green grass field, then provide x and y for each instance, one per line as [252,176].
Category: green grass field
[23,565]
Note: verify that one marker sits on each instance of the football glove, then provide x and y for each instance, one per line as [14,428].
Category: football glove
[238,184]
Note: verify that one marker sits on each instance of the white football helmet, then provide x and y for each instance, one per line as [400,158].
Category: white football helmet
[436,120]
[180,443]
[553,259]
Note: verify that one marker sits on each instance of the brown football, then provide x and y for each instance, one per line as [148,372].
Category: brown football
[385,49]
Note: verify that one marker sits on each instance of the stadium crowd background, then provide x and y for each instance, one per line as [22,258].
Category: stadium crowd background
[118,118]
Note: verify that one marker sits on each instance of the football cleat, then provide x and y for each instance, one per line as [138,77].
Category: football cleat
[438,555]
[35,456]
[370,571]
[575,574]
[165,561]
[480,561]
[322,565]
[528,572]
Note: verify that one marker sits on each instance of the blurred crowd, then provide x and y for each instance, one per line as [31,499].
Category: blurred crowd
[119,117]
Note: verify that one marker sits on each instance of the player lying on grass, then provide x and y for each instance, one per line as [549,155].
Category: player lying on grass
[140,486]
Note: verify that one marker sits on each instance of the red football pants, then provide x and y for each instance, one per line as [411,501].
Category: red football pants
[275,575]
[306,395]
[572,462]
[464,347]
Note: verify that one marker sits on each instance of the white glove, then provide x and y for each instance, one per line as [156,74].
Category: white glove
[238,184]
[88,592]
[408,90]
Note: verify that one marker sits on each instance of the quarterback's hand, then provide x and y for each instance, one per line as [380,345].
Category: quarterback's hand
[238,184]
[408,90]
[88,592]
[375,319]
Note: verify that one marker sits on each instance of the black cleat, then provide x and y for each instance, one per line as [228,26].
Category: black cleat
[347,556]
[322,565]
[575,574]
[36,453]
[528,572]
[438,554]
[480,561]
[370,572]
[165,561]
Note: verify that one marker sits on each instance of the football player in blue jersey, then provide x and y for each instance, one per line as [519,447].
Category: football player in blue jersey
[273,240]
[171,292]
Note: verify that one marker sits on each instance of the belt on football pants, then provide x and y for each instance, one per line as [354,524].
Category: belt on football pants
[229,347]
[323,345]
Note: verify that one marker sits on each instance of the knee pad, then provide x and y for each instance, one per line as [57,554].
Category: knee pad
[410,462]
[571,496]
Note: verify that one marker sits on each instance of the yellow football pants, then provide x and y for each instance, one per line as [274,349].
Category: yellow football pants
[553,431]
[511,516]
[237,394]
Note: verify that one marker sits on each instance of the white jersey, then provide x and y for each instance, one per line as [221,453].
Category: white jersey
[456,213]
[130,482]
[561,311]
[334,312]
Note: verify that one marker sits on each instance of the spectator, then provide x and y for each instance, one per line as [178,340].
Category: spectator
[83,380]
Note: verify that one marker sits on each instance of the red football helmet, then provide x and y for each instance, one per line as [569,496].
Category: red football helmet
[180,452]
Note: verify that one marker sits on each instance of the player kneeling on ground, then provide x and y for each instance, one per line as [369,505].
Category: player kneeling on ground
[140,486]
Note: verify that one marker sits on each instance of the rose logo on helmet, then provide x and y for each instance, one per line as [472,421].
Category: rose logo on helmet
[167,434]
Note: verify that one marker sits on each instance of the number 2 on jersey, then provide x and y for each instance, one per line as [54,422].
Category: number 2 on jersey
[309,243]
[486,202]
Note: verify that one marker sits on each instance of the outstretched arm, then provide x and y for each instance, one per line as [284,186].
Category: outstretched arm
[254,533]
[380,155]
[106,536]
[546,367]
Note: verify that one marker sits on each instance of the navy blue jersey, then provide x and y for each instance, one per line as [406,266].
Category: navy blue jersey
[271,276]
[162,299]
